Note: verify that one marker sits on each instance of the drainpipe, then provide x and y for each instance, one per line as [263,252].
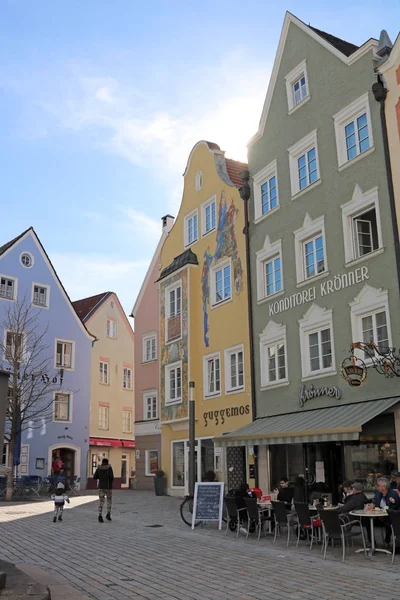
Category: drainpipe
[380,93]
[245,193]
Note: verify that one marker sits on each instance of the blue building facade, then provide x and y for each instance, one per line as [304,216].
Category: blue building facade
[27,276]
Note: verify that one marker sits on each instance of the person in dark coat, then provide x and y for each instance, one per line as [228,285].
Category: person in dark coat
[385,498]
[105,476]
[354,501]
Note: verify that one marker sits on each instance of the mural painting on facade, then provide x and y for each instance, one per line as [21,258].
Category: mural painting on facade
[174,351]
[226,247]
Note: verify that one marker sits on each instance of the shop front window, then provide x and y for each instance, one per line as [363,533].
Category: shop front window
[178,464]
[97,457]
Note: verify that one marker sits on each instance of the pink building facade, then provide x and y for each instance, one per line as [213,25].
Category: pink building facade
[147,370]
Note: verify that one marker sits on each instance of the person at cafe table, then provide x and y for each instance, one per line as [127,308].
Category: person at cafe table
[355,500]
[386,499]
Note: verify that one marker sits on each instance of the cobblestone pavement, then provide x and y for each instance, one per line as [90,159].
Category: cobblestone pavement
[129,558]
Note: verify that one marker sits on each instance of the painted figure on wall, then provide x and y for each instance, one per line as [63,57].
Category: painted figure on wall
[226,247]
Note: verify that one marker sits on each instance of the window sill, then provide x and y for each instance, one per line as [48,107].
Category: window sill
[125,389]
[361,259]
[178,339]
[104,429]
[212,396]
[40,306]
[59,367]
[311,280]
[271,297]
[307,189]
[146,362]
[110,337]
[319,375]
[189,245]
[299,105]
[9,299]
[222,303]
[267,214]
[61,422]
[354,160]
[235,391]
[102,383]
[273,386]
[172,402]
[206,233]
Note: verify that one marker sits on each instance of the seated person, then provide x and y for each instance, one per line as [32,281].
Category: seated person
[385,498]
[395,480]
[346,491]
[354,501]
[284,492]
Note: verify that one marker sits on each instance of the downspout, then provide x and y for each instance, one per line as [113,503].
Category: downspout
[245,193]
[380,93]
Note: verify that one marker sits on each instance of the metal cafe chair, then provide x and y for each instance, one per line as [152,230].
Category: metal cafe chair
[307,522]
[334,528]
[394,520]
[235,515]
[256,516]
[283,519]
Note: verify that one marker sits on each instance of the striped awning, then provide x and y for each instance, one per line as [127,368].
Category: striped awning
[335,424]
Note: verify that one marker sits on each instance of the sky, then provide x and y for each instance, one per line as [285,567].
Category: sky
[101,103]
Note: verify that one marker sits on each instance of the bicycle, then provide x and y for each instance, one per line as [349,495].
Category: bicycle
[186,510]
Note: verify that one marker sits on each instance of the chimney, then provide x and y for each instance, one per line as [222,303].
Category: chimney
[167,222]
[385,45]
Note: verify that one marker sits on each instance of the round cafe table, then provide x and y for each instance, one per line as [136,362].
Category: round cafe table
[371,515]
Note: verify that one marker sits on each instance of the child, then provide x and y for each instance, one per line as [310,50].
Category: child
[60,498]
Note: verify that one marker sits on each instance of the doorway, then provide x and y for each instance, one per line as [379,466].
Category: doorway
[63,463]
[125,470]
[323,464]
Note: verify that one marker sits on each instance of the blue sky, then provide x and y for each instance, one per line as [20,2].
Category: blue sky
[101,103]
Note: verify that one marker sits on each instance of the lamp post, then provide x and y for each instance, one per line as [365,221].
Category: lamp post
[192,438]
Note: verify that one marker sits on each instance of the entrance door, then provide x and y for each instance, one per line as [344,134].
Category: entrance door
[323,466]
[125,470]
[68,464]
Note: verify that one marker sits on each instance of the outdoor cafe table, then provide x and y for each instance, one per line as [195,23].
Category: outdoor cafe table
[371,514]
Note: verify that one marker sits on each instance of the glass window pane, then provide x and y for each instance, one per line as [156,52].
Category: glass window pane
[271,363]
[314,351]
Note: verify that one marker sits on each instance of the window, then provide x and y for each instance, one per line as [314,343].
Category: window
[221,289]
[127,421]
[272,277]
[370,319]
[62,407]
[303,162]
[26,260]
[127,378]
[212,375]
[173,383]
[40,295]
[361,225]
[269,269]
[8,288]
[316,342]
[104,373]
[149,347]
[150,405]
[310,253]
[266,197]
[111,329]
[297,86]
[4,458]
[63,354]
[173,309]
[273,355]
[14,346]
[234,369]
[353,131]
[178,464]
[151,459]
[103,417]
[209,216]
[191,228]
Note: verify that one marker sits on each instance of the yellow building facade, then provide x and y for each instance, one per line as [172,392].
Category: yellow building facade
[111,393]
[204,332]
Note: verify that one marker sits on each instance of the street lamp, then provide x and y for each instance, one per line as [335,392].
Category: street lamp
[192,438]
[385,362]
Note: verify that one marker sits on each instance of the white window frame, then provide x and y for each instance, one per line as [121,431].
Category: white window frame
[270,251]
[102,379]
[23,345]
[310,229]
[149,395]
[341,119]
[15,287]
[218,267]
[147,462]
[149,337]
[360,203]
[368,302]
[125,428]
[204,206]
[315,319]
[168,369]
[273,334]
[259,179]
[70,406]
[111,327]
[56,366]
[227,364]
[46,288]
[214,356]
[107,417]
[291,78]
[7,454]
[168,290]
[191,215]
[126,380]
[302,147]
[31,258]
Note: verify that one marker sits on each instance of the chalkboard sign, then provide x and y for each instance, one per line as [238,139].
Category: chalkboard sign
[208,502]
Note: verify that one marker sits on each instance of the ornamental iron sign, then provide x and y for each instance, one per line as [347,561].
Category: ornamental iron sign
[384,360]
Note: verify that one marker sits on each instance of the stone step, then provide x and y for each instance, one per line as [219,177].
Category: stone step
[19,585]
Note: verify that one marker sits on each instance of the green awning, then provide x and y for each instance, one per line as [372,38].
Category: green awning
[335,424]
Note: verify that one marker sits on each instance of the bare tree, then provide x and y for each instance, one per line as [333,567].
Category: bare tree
[30,361]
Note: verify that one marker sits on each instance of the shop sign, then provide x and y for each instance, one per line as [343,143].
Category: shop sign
[311,392]
[65,437]
[220,415]
[338,282]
